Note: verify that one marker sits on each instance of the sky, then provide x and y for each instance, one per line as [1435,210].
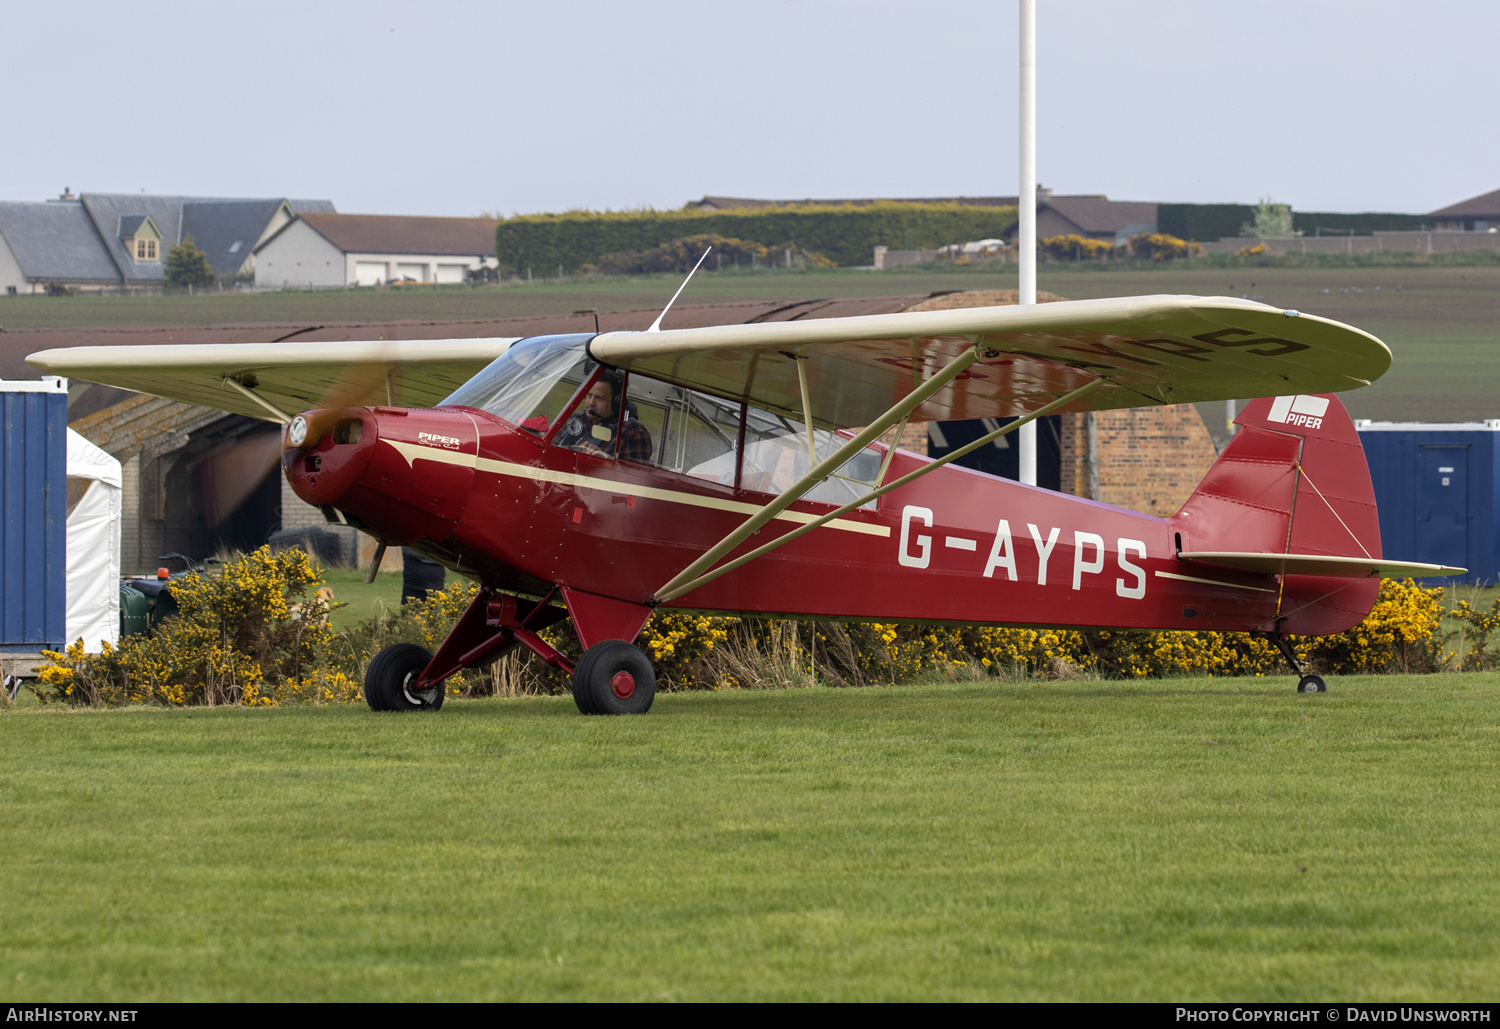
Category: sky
[456,108]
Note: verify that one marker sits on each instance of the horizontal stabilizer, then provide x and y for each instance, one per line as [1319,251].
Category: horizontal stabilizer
[1320,564]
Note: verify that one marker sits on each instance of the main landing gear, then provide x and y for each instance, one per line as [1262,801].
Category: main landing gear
[1308,683]
[611,678]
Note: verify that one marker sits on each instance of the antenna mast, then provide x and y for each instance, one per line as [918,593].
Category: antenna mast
[656,325]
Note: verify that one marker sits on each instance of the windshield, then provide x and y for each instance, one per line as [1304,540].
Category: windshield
[530,383]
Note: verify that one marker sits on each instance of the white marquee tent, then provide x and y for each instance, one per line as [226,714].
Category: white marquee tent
[93,566]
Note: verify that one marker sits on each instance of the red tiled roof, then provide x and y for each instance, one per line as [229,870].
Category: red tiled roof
[404,234]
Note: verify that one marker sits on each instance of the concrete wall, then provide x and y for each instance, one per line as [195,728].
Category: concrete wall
[12,279]
[1428,242]
[299,257]
[441,268]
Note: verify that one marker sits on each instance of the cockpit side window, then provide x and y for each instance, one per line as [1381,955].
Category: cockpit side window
[531,383]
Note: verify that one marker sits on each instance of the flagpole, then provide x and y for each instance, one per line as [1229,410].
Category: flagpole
[1026,242]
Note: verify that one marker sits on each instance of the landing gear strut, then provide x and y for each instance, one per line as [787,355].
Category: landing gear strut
[612,677]
[1308,683]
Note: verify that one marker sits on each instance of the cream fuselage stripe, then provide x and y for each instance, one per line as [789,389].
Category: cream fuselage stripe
[1213,582]
[413,451]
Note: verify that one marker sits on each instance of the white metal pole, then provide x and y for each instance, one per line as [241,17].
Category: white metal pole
[1027,241]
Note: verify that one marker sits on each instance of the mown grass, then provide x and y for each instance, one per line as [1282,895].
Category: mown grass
[1189,839]
[359,601]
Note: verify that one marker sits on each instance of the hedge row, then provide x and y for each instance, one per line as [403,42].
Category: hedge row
[846,235]
[1209,222]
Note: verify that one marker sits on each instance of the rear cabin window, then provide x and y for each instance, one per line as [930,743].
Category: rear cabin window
[776,457]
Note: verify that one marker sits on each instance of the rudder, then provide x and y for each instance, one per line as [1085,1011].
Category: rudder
[1292,481]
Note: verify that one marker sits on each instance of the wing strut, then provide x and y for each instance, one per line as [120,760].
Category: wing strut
[681,584]
[280,415]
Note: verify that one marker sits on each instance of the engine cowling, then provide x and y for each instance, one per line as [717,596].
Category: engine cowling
[400,474]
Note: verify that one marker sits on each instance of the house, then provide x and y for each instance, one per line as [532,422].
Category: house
[108,241]
[1480,214]
[326,249]
[1090,216]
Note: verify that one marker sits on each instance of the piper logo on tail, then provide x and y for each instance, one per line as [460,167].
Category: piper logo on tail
[1299,410]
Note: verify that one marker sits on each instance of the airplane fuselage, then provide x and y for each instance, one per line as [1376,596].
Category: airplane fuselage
[518,514]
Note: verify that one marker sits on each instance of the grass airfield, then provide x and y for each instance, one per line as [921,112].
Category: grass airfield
[1192,839]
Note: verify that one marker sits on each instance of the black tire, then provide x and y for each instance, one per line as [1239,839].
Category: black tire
[1312,684]
[614,678]
[387,677]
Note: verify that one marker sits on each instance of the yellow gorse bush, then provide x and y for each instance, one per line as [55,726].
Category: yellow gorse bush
[242,638]
[1073,247]
[253,634]
[1158,246]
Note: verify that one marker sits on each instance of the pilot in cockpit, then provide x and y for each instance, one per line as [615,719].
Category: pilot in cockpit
[598,430]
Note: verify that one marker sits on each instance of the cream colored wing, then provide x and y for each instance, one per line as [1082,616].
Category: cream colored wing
[1150,350]
[286,377]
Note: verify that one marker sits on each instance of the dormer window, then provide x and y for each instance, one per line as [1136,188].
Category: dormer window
[140,237]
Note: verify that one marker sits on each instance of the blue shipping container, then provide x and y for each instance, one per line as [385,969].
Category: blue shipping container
[1435,485]
[34,507]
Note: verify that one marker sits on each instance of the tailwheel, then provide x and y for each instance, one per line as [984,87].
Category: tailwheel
[390,677]
[1312,684]
[613,678]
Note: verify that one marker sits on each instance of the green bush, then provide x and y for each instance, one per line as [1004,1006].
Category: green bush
[186,265]
[680,255]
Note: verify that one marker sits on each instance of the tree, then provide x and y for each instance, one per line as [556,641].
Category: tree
[1272,221]
[188,266]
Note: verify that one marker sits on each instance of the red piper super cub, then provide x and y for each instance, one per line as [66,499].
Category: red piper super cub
[740,469]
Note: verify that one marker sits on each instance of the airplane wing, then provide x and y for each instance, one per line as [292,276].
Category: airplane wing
[288,377]
[1320,564]
[1146,350]
[1149,350]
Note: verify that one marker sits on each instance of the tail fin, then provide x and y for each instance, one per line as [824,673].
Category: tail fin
[1292,481]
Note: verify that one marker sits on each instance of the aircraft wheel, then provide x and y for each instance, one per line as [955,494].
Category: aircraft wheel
[389,674]
[614,678]
[1312,684]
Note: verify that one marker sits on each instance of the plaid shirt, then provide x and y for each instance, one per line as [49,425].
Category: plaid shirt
[635,441]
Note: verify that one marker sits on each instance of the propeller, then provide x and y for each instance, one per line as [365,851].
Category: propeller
[237,470]
[356,385]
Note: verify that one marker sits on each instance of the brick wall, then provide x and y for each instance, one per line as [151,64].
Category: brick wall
[297,513]
[1150,458]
